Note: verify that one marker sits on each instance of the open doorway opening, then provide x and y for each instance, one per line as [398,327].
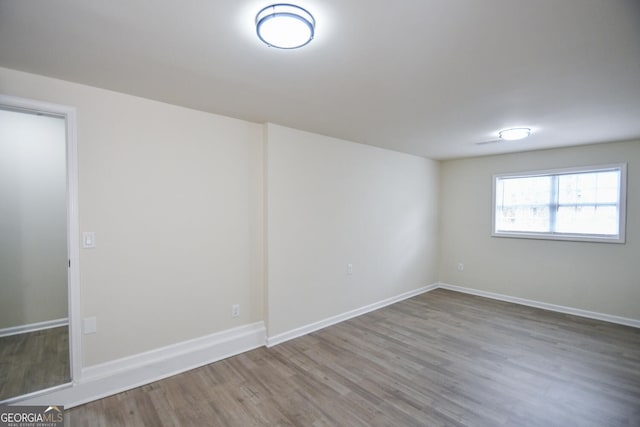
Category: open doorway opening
[38,249]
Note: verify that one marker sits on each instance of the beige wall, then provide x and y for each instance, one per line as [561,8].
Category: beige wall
[597,277]
[33,219]
[176,199]
[331,203]
[174,196]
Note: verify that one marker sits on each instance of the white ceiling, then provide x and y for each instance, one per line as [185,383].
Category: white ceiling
[427,77]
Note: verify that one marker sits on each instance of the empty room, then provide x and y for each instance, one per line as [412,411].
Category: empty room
[320,213]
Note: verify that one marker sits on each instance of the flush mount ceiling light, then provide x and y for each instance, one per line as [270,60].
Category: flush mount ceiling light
[285,26]
[514,134]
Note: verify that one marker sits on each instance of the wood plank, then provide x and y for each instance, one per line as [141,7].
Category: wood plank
[33,361]
[438,359]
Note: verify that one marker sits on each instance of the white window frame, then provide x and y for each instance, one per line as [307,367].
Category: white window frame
[620,238]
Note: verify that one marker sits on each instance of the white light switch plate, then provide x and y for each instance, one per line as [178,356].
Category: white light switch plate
[89,239]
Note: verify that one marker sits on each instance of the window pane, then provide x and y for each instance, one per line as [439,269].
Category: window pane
[523,218]
[608,187]
[522,204]
[588,188]
[588,220]
[525,191]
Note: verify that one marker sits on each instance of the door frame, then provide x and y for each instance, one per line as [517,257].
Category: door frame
[73,223]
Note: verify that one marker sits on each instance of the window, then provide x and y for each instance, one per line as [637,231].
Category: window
[569,204]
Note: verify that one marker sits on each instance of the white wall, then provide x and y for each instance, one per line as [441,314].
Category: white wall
[598,277]
[175,197]
[33,219]
[332,202]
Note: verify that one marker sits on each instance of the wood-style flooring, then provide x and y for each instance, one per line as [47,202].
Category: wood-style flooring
[33,361]
[439,359]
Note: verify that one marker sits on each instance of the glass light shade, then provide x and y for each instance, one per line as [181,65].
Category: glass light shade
[514,134]
[285,26]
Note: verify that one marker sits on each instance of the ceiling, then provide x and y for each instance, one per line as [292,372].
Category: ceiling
[426,77]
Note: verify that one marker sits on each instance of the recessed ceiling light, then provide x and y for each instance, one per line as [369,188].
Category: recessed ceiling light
[285,26]
[514,134]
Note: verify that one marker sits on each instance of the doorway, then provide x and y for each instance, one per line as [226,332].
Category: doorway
[38,252]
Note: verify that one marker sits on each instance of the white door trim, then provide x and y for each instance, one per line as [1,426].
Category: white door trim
[73,223]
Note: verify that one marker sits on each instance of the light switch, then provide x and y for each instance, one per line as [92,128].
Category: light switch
[89,239]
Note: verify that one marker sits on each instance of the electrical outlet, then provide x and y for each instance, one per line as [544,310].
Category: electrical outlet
[235,310]
[460,266]
[349,268]
[90,325]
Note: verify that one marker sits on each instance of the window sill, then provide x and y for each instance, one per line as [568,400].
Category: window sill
[593,238]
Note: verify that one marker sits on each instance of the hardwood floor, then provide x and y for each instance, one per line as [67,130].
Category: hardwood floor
[439,359]
[33,361]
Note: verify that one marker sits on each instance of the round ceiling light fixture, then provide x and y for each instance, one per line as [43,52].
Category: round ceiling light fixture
[514,134]
[285,26]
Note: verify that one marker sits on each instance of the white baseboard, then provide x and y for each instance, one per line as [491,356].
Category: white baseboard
[312,327]
[124,374]
[33,327]
[546,306]
[29,396]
